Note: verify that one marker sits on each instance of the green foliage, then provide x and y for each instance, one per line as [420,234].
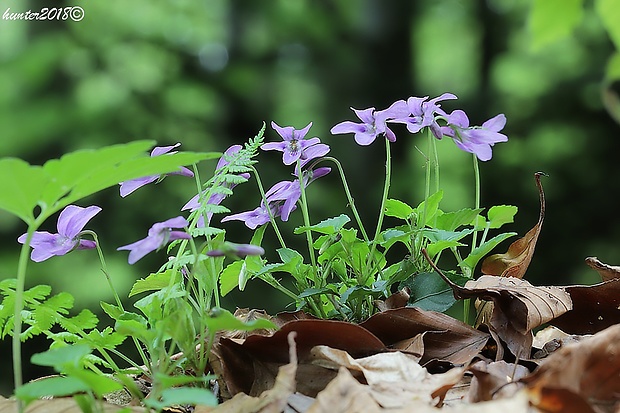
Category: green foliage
[60,182]
[551,20]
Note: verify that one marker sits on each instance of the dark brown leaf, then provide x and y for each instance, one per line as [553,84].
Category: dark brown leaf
[515,261]
[446,338]
[595,307]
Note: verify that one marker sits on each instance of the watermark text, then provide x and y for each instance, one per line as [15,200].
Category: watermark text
[75,13]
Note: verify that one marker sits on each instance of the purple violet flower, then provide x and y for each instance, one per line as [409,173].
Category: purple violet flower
[159,235]
[373,123]
[71,222]
[421,114]
[128,187]
[294,146]
[281,198]
[475,139]
[236,250]
[215,199]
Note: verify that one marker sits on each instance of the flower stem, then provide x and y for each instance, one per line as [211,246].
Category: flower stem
[272,219]
[476,197]
[18,379]
[306,215]
[347,191]
[386,190]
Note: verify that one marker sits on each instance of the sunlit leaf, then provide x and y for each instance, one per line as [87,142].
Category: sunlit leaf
[154,282]
[328,226]
[501,214]
[397,209]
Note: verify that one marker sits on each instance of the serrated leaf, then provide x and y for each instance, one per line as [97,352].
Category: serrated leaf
[397,209]
[450,221]
[478,253]
[501,214]
[20,187]
[85,320]
[329,226]
[430,207]
[221,320]
[154,282]
[552,20]
[184,395]
[113,311]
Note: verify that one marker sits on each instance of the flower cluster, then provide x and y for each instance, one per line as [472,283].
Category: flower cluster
[418,113]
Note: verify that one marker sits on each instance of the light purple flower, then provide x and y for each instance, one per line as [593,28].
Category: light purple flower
[281,199]
[215,199]
[295,147]
[159,235]
[128,187]
[373,123]
[474,139]
[71,222]
[421,113]
[236,250]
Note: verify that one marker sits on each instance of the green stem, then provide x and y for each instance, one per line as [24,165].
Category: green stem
[386,189]
[427,179]
[17,314]
[306,216]
[347,191]
[476,196]
[264,198]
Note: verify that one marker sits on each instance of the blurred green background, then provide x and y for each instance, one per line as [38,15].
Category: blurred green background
[208,73]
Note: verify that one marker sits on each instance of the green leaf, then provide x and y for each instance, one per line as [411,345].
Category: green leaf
[500,215]
[98,383]
[432,207]
[329,226]
[430,292]
[154,282]
[20,187]
[111,310]
[229,278]
[184,395]
[450,221]
[478,253]
[609,13]
[552,20]
[60,356]
[219,320]
[397,209]
[51,386]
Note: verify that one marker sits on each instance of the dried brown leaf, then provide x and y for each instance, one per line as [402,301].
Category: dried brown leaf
[491,379]
[595,308]
[589,369]
[445,338]
[607,272]
[516,260]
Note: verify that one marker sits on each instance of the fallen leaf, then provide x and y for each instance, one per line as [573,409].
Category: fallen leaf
[595,308]
[491,379]
[518,306]
[273,400]
[607,272]
[445,338]
[516,260]
[589,369]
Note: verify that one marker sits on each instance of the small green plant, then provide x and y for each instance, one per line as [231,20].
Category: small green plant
[343,272]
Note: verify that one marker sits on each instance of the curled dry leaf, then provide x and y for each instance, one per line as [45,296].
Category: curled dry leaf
[515,261]
[491,379]
[589,370]
[607,272]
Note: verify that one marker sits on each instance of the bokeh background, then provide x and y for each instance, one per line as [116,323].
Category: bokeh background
[209,73]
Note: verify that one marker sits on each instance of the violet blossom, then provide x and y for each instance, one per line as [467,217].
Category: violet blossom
[71,222]
[373,123]
[475,139]
[420,113]
[216,198]
[127,187]
[294,146]
[281,199]
[159,235]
